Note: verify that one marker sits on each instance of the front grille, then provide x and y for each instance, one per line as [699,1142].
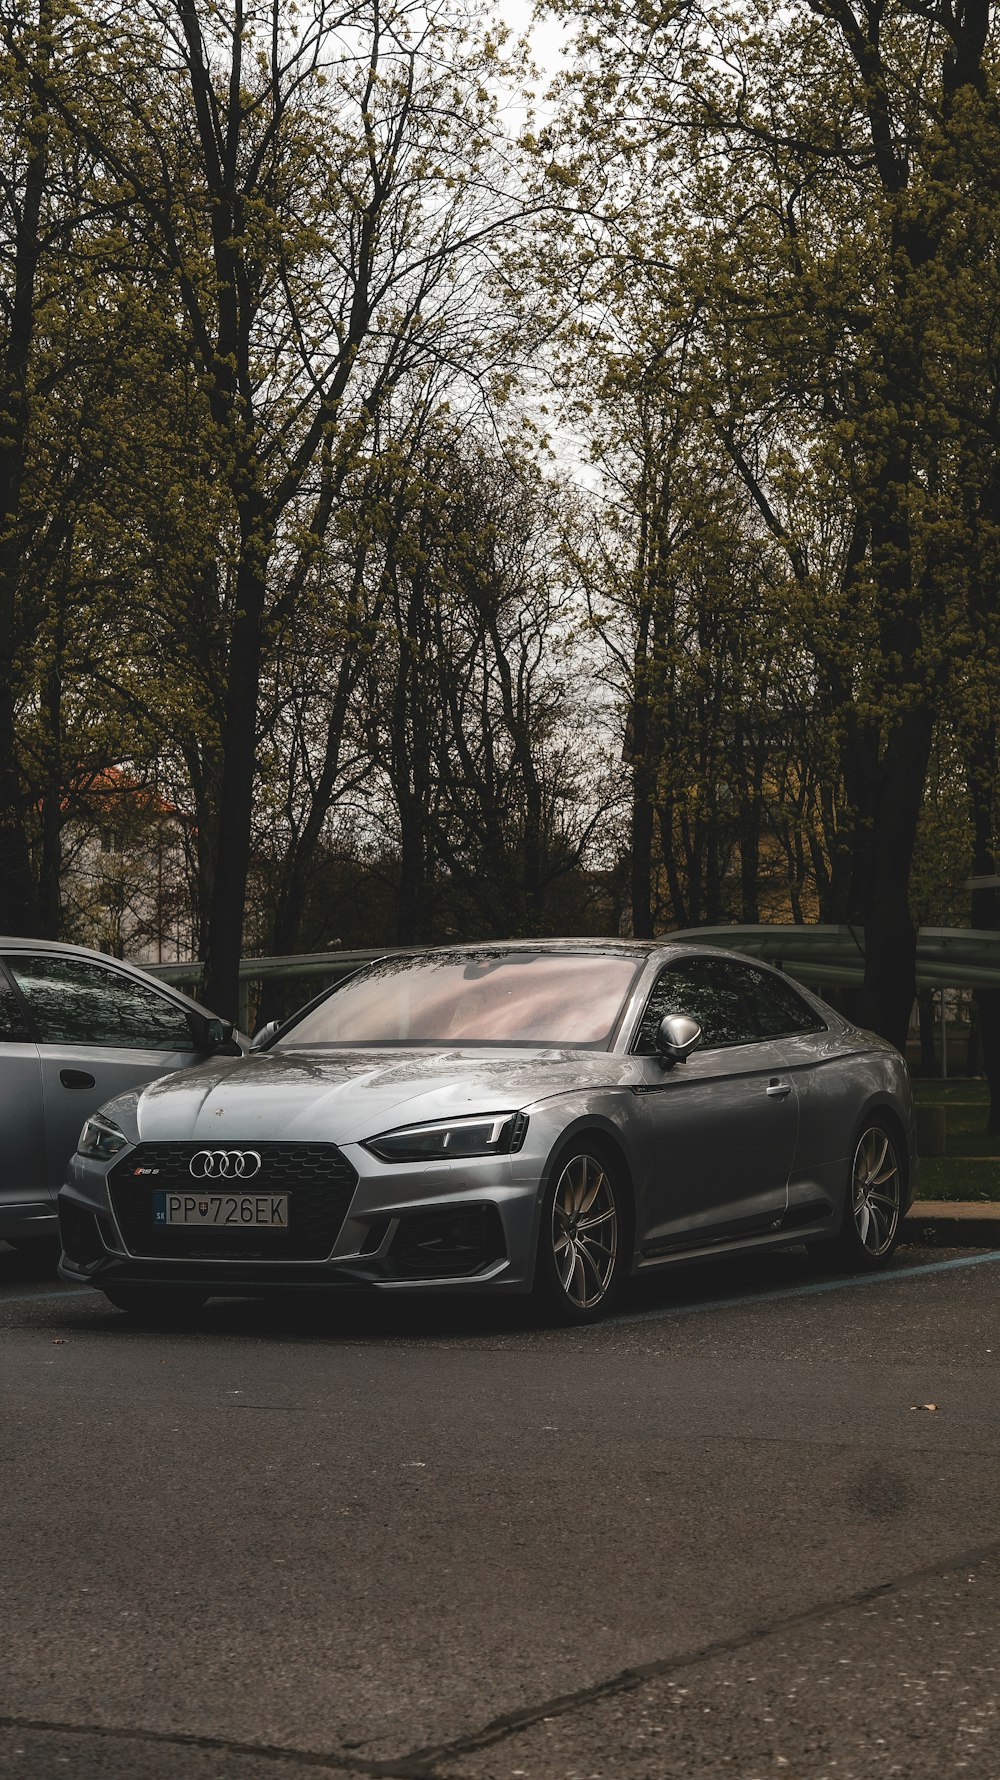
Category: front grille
[318,1179]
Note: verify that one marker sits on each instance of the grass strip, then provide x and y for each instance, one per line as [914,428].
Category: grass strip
[961,1177]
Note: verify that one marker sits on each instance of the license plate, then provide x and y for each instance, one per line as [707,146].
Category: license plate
[248,1211]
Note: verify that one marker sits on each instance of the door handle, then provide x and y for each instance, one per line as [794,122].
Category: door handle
[777,1089]
[76,1078]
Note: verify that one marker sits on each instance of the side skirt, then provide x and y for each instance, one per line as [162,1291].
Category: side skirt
[782,1238]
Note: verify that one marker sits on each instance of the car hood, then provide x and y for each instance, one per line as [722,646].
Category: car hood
[346,1096]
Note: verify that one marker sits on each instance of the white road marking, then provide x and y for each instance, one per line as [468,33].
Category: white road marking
[809,1290]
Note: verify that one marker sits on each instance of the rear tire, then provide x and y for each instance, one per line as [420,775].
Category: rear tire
[873,1205]
[159,1306]
[583,1240]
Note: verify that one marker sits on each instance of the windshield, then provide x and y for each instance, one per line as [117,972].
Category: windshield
[488,997]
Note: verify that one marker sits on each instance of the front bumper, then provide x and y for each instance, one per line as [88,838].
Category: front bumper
[442,1227]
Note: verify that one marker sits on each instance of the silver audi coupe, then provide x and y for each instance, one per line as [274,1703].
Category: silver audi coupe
[546,1116]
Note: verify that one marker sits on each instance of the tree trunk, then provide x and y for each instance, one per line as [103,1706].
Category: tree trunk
[204,766]
[18,903]
[928,1052]
[411,916]
[639,755]
[988,1006]
[224,938]
[641,863]
[981,775]
[986,914]
[49,924]
[750,817]
[890,936]
[973,1059]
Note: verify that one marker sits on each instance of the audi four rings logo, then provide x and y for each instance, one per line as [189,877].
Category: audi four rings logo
[224,1164]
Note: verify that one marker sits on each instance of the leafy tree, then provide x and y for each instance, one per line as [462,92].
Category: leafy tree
[34,291]
[813,187]
[472,697]
[316,190]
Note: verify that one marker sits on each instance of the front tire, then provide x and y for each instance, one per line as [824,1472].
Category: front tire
[582,1256]
[159,1306]
[873,1208]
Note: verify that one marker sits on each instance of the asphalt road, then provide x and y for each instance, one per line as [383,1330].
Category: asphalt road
[718,1535]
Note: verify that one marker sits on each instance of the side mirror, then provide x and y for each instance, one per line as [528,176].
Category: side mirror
[676,1037]
[220,1040]
[266,1032]
[212,1036]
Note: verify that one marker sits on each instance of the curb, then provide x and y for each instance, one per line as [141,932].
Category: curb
[943,1223]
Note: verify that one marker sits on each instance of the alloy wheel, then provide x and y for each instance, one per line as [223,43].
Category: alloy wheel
[875,1189]
[585,1231]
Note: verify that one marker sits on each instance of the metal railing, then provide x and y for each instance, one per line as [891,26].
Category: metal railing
[325,968]
[947,957]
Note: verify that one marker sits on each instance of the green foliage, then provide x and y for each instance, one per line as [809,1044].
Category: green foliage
[267,539]
[784,239]
[280,228]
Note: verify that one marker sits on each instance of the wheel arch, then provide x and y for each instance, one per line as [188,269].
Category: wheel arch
[878,1106]
[836,1244]
[604,1135]
[881,1107]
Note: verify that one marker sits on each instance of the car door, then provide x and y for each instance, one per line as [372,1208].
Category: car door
[98,1030]
[22,1168]
[826,1087]
[723,1124]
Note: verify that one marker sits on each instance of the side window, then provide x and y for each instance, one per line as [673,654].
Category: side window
[710,989]
[72,1001]
[779,1009]
[12,1023]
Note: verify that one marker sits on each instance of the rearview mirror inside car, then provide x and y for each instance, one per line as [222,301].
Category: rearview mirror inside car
[676,1037]
[261,1037]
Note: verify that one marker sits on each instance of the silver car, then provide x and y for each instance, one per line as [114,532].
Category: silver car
[76,1028]
[550,1116]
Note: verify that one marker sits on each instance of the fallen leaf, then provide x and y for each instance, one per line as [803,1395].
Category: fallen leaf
[60,1341]
[931,1406]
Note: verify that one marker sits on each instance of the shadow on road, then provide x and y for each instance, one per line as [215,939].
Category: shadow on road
[342,1313]
[36,1261]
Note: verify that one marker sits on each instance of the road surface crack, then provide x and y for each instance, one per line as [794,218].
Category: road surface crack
[401,1769]
[426,1762]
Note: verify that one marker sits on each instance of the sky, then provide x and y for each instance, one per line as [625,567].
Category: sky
[546,34]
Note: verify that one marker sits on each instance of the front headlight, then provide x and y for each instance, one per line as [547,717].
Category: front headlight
[496,1134]
[100,1138]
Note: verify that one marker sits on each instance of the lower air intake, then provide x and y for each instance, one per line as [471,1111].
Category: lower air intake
[443,1244]
[78,1233]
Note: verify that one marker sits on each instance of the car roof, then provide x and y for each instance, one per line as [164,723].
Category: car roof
[662,949]
[587,943]
[60,947]
[638,949]
[24,943]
